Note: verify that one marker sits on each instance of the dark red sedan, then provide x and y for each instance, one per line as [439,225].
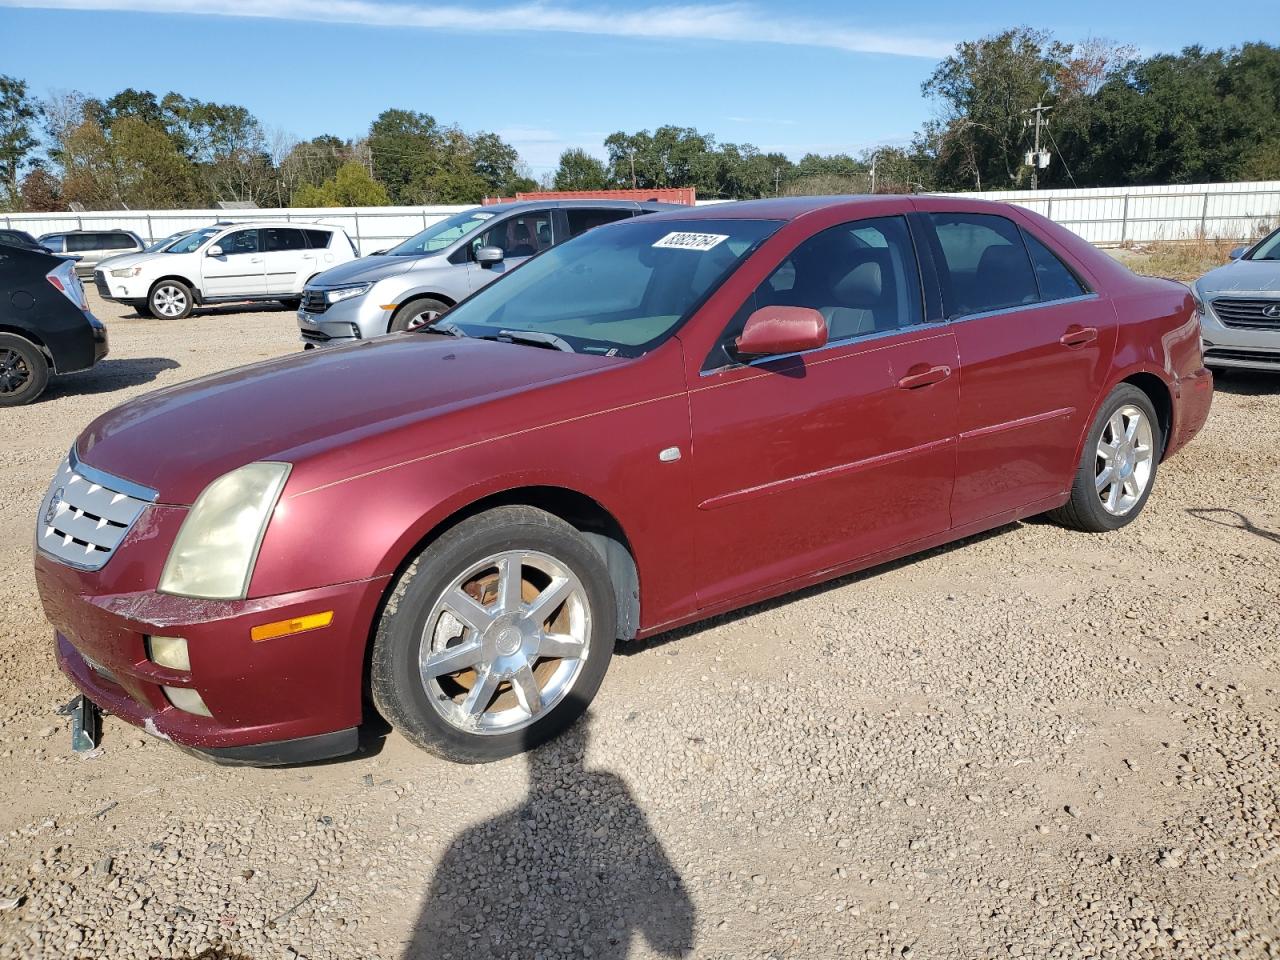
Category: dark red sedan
[660,420]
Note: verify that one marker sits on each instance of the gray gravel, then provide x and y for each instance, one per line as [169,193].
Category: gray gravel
[1033,744]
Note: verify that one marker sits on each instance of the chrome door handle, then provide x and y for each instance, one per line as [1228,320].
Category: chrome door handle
[1078,336]
[256,260]
[924,377]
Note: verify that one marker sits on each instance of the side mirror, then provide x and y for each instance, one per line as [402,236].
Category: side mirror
[214,251]
[488,256]
[1237,253]
[774,330]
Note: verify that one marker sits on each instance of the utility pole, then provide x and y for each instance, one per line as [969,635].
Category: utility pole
[777,180]
[1035,159]
[874,157]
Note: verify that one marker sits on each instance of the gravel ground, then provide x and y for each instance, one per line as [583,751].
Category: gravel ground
[1035,743]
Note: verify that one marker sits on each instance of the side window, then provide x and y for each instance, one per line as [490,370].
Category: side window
[318,239]
[117,241]
[861,276]
[1057,282]
[982,264]
[81,242]
[276,239]
[582,219]
[242,241]
[520,236]
[58,244]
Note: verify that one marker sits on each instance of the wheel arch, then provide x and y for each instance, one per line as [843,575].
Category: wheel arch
[193,287]
[1161,398]
[414,298]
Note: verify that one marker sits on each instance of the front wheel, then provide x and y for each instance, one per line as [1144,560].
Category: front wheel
[171,300]
[1118,468]
[24,371]
[417,313]
[496,637]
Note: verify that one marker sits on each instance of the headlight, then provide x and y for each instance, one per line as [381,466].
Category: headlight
[126,272]
[215,551]
[346,293]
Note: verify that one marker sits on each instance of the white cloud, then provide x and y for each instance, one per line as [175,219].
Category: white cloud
[729,22]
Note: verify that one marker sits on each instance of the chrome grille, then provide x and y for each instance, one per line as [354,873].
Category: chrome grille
[1255,314]
[313,301]
[86,514]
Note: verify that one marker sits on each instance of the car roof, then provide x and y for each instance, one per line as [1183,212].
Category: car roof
[516,206]
[68,233]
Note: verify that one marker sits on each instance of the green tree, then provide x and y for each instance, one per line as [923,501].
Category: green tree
[18,116]
[405,147]
[579,170]
[41,192]
[134,165]
[351,186]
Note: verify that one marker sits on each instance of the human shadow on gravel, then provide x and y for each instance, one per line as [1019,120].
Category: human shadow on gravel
[1234,519]
[574,871]
[108,375]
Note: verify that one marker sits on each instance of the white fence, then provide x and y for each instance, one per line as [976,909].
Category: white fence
[1106,216]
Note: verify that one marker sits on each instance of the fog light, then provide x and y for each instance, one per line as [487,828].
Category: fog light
[169,652]
[186,699]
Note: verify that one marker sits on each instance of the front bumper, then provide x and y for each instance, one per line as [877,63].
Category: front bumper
[119,290]
[1241,348]
[284,700]
[356,319]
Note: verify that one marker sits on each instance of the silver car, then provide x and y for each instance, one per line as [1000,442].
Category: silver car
[414,283]
[1239,308]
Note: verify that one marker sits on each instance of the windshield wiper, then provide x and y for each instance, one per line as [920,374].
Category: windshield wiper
[443,326]
[537,339]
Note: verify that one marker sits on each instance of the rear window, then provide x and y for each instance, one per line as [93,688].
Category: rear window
[984,264]
[284,238]
[583,219]
[1057,282]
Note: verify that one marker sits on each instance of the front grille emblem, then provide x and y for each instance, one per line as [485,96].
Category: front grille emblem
[1272,312]
[55,500]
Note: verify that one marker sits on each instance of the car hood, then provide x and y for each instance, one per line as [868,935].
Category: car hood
[177,440]
[122,260]
[368,269]
[1242,276]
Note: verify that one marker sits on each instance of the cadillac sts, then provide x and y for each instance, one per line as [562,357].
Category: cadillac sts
[662,419]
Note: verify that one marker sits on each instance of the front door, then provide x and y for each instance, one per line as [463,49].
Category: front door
[806,462]
[519,237]
[238,269]
[1035,347]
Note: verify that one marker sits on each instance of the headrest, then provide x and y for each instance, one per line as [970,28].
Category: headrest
[863,284]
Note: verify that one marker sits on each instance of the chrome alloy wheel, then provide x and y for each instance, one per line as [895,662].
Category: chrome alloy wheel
[505,642]
[422,318]
[1124,460]
[168,301]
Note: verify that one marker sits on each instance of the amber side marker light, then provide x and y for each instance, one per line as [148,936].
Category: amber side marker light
[388,306]
[284,628]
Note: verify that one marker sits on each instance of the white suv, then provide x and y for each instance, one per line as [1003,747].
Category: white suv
[226,263]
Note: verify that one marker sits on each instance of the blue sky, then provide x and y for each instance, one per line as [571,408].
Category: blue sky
[824,76]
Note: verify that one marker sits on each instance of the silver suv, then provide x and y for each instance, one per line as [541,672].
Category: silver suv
[415,282]
[88,248]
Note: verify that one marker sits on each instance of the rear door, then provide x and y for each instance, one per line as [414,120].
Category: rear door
[519,236]
[806,462]
[288,258]
[238,270]
[1035,347]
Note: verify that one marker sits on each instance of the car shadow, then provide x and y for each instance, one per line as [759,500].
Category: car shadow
[575,869]
[108,375]
[816,590]
[1224,517]
[1246,383]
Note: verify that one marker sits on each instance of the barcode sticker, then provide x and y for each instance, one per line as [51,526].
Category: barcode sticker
[690,241]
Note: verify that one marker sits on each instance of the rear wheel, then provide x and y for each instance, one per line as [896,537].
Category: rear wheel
[417,313]
[171,300]
[24,371]
[496,637]
[1118,468]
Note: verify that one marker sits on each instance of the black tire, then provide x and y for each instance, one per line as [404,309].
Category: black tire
[397,688]
[24,371]
[416,312]
[292,303]
[170,300]
[1085,510]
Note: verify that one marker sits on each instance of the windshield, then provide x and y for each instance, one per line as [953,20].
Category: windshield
[165,242]
[193,241]
[1268,249]
[620,289]
[442,234]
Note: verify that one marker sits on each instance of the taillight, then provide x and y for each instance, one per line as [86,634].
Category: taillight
[64,280]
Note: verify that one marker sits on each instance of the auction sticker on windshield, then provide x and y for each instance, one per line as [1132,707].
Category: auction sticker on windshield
[690,241]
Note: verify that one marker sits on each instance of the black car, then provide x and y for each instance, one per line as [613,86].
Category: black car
[20,238]
[45,323]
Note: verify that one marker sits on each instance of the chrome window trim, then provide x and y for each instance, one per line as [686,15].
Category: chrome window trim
[109,480]
[1039,304]
[832,345]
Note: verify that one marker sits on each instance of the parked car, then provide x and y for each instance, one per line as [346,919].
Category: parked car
[129,259]
[45,323]
[418,280]
[227,263]
[90,247]
[1239,307]
[660,420]
[20,238]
